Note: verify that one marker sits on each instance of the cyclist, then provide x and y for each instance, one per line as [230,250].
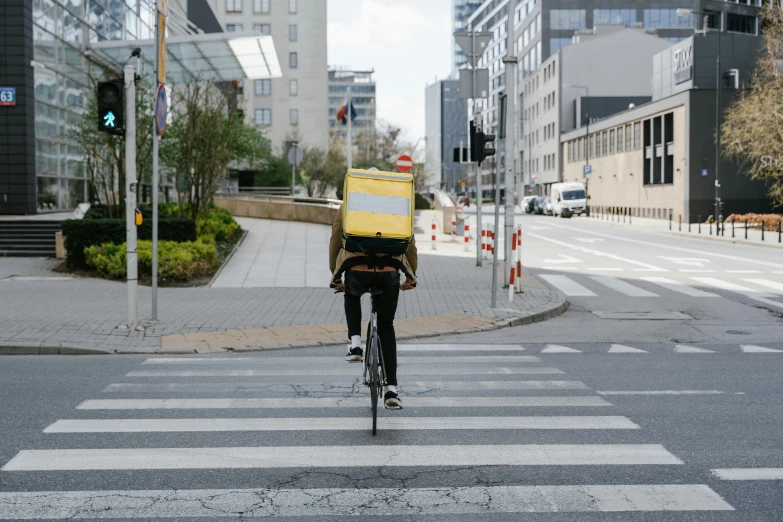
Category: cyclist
[362,272]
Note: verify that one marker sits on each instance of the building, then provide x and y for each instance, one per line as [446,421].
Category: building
[293,107]
[576,84]
[361,88]
[460,12]
[658,159]
[445,122]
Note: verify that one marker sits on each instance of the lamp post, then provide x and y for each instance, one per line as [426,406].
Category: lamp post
[587,139]
[718,85]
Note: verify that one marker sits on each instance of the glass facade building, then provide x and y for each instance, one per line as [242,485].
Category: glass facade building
[460,12]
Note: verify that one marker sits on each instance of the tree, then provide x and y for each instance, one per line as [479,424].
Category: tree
[753,125]
[321,170]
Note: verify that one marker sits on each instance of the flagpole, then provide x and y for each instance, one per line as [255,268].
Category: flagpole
[350,131]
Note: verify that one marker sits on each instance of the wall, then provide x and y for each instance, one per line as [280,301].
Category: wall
[17,124]
[284,209]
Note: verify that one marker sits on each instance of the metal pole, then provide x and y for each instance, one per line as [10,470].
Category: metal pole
[495,239]
[130,191]
[350,136]
[717,128]
[510,66]
[293,176]
[155,183]
[470,158]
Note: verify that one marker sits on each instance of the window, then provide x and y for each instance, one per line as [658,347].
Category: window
[291,6]
[263,87]
[263,116]
[604,143]
[555,44]
[614,16]
[611,141]
[714,20]
[567,19]
[292,33]
[261,6]
[231,28]
[233,6]
[628,137]
[293,60]
[293,87]
[637,135]
[620,141]
[294,116]
[667,18]
[737,23]
[264,29]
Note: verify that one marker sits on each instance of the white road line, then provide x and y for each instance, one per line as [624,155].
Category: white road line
[749,473]
[459,347]
[695,271]
[568,286]
[333,402]
[766,284]
[560,268]
[743,271]
[725,285]
[366,503]
[556,348]
[663,392]
[751,348]
[244,361]
[608,269]
[353,370]
[371,456]
[500,385]
[683,348]
[621,348]
[339,423]
[676,286]
[622,286]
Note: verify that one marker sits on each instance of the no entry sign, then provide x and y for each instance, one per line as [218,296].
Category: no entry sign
[404,163]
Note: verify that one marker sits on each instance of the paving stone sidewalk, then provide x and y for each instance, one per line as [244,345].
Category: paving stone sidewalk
[42,315]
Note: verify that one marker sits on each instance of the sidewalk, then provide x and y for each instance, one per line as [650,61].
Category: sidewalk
[42,314]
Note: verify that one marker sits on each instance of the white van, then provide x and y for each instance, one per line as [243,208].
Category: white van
[568,199]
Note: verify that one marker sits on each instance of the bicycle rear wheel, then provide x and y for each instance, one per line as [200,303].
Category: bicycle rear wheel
[374,378]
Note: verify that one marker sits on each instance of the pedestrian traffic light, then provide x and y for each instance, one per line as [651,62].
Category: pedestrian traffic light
[478,144]
[111,107]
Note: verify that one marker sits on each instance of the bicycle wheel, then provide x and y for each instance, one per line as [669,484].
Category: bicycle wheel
[375,384]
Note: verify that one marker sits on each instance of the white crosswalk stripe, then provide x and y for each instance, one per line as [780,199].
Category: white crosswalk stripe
[679,287]
[568,286]
[751,348]
[682,348]
[298,397]
[726,285]
[766,284]
[622,287]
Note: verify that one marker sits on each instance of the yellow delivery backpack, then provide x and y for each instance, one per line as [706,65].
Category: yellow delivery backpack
[377,212]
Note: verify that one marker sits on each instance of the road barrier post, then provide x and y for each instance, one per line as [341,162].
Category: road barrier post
[762,229]
[433,234]
[519,258]
[746,228]
[670,220]
[483,242]
[680,225]
[732,227]
[698,220]
[454,224]
[710,227]
[467,237]
[779,236]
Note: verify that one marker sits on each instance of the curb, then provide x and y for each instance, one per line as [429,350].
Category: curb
[228,258]
[38,349]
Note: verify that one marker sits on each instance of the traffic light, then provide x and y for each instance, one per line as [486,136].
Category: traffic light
[478,144]
[111,107]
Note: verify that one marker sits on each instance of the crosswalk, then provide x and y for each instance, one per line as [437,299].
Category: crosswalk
[584,285]
[261,430]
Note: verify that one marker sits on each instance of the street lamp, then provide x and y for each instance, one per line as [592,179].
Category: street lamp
[686,12]
[587,139]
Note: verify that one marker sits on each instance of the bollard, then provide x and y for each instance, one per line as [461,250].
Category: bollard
[467,237]
[511,284]
[624,214]
[630,217]
[732,227]
[721,225]
[779,236]
[433,233]
[513,247]
[519,258]
[710,227]
[746,228]
[689,223]
[670,220]
[762,229]
[483,242]
[680,225]
[698,220]
[454,224]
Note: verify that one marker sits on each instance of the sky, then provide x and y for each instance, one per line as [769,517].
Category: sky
[407,42]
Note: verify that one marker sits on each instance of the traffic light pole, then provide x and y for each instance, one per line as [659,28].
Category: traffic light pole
[130,191]
[479,188]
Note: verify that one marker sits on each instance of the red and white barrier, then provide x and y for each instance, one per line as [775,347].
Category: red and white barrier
[511,284]
[467,237]
[454,224]
[483,241]
[434,236]
[491,243]
[519,258]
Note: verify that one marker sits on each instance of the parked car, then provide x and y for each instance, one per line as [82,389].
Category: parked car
[548,210]
[463,200]
[539,205]
[528,204]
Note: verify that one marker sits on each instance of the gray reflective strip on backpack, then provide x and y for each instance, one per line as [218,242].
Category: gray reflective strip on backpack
[386,177]
[395,205]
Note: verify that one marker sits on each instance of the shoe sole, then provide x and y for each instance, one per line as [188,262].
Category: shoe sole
[395,407]
[354,358]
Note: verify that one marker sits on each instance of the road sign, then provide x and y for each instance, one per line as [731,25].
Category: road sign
[7,96]
[465,41]
[705,173]
[295,155]
[161,109]
[470,77]
[404,163]
[161,48]
[587,171]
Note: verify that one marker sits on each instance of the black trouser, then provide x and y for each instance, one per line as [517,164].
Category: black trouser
[358,282]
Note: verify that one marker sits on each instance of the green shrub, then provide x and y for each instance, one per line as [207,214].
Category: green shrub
[422,203]
[82,233]
[220,227]
[176,261]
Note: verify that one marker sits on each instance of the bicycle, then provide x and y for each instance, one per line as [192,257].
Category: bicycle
[374,369]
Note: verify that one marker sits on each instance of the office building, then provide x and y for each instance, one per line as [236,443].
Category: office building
[360,86]
[460,13]
[445,122]
[658,159]
[294,106]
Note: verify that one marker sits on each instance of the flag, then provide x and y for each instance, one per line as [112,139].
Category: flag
[341,114]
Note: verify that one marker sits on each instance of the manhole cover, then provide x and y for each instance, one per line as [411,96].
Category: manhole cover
[737,332]
[642,316]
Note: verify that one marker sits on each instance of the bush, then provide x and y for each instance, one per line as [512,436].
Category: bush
[82,233]
[422,203]
[219,225]
[176,261]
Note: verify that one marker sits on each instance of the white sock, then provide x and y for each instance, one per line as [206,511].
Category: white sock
[356,341]
[391,388]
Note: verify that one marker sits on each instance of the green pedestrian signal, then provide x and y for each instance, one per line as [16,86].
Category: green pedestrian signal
[111,107]
[109,120]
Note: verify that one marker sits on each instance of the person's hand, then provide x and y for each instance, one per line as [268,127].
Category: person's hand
[407,285]
[339,287]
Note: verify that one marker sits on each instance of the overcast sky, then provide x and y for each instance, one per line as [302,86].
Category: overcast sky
[407,42]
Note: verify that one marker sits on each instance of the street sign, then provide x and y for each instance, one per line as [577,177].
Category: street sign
[295,155]
[470,77]
[705,173]
[465,41]
[404,163]
[161,48]
[7,96]
[161,109]
[587,171]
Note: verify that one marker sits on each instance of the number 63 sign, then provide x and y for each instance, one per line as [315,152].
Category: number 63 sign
[7,96]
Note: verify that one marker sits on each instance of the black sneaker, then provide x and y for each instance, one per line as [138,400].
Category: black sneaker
[354,355]
[391,400]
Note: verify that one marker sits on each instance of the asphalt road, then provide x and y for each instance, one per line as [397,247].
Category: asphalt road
[585,417]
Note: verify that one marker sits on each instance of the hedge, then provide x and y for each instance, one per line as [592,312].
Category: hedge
[81,233]
[422,203]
